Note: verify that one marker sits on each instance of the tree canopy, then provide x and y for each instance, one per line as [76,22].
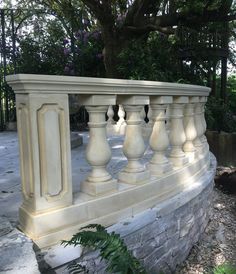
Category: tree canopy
[123,21]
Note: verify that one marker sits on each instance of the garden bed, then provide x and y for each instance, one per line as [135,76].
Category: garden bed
[217,244]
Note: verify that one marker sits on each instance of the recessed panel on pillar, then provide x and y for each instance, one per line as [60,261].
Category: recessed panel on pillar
[52,154]
[25,150]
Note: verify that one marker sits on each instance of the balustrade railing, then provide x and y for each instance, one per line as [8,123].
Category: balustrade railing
[176,127]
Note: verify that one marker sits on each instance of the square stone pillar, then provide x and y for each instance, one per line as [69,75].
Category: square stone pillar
[45,158]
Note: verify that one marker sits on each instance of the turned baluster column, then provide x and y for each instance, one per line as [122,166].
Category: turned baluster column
[168,118]
[190,130]
[110,114]
[198,124]
[110,121]
[121,124]
[159,141]
[177,134]
[133,147]
[143,116]
[203,138]
[150,119]
[150,116]
[98,152]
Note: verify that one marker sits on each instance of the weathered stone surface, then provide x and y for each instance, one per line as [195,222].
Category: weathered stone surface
[16,254]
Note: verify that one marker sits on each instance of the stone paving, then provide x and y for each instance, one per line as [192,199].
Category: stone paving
[10,196]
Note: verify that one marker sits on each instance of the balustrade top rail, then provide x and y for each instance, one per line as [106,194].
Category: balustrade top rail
[32,83]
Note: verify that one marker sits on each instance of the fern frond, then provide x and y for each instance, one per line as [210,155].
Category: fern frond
[76,268]
[112,249]
[97,226]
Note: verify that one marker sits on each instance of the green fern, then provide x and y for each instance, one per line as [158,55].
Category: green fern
[112,249]
[225,269]
[76,268]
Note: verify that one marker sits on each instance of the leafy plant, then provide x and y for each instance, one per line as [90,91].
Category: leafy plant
[225,269]
[219,115]
[112,249]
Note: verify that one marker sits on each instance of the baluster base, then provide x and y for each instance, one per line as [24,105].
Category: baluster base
[159,169]
[134,177]
[98,188]
[179,161]
[191,155]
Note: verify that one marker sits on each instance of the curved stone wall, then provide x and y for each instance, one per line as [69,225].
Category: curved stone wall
[162,237]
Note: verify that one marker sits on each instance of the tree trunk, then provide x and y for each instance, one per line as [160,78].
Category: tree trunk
[111,59]
[113,46]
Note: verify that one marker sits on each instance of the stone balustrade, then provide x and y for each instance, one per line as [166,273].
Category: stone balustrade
[176,127]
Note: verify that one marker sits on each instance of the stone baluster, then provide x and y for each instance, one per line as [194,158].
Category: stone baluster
[133,147]
[110,114]
[190,130]
[98,152]
[159,141]
[110,122]
[149,126]
[177,134]
[149,115]
[203,138]
[168,118]
[121,124]
[199,127]
[143,116]
[45,157]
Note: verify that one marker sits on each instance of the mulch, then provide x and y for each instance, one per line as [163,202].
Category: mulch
[218,243]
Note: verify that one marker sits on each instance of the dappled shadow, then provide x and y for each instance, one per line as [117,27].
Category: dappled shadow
[217,244]
[225,180]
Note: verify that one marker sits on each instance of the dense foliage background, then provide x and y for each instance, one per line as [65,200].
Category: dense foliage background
[74,38]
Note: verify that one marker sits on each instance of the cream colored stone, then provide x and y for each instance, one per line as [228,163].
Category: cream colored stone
[50,84]
[143,116]
[98,153]
[48,213]
[121,124]
[43,129]
[110,122]
[177,134]
[110,114]
[159,140]
[97,100]
[203,138]
[149,125]
[190,131]
[134,147]
[108,209]
[133,100]
[199,127]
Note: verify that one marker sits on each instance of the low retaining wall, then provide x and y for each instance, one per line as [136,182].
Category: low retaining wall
[162,237]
